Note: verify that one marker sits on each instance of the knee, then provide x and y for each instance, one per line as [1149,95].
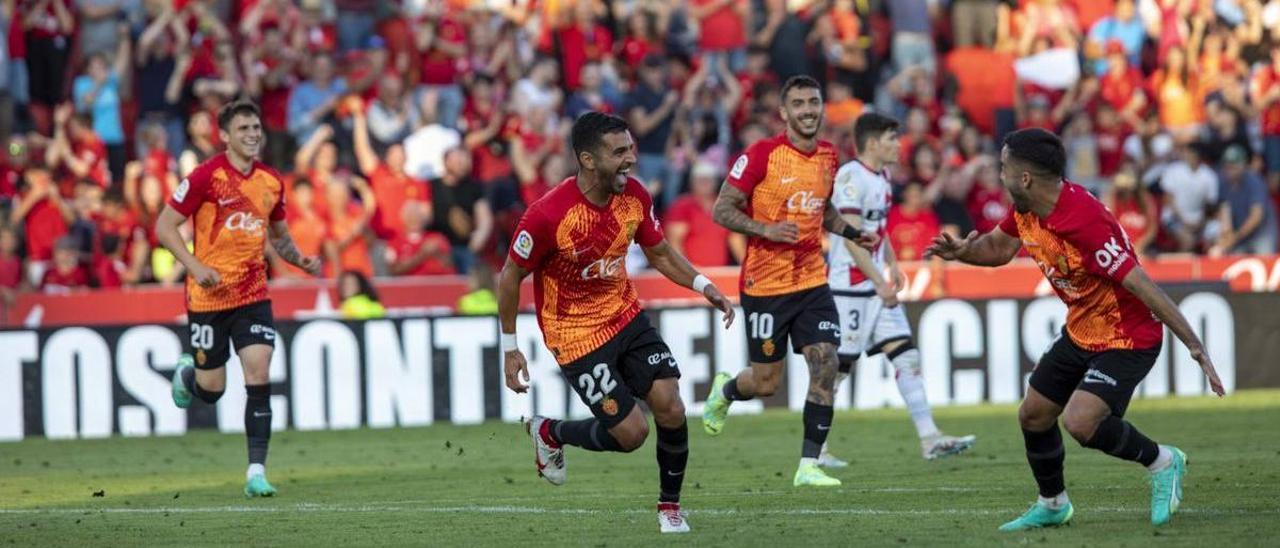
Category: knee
[1034,418]
[212,384]
[672,416]
[768,384]
[632,438]
[1081,426]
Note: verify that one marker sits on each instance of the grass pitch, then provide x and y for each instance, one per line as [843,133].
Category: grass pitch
[469,486]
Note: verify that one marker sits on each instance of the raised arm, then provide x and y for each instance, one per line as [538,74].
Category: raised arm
[1138,283]
[994,248]
[366,158]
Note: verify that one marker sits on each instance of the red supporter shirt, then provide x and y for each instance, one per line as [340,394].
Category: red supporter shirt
[784,184]
[577,252]
[108,272]
[1263,82]
[391,192]
[60,282]
[407,245]
[275,99]
[1118,90]
[489,161]
[1085,254]
[46,24]
[10,272]
[578,47]
[704,243]
[722,29]
[987,207]
[437,68]
[44,225]
[911,233]
[93,151]
[1110,149]
[230,212]
[1132,219]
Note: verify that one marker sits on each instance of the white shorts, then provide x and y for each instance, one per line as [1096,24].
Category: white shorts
[866,325]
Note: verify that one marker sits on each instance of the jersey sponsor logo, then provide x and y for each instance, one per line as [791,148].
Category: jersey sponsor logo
[805,201]
[180,193]
[1112,256]
[654,359]
[224,202]
[244,221]
[263,331]
[875,215]
[604,269]
[1093,376]
[523,245]
[739,167]
[788,180]
[828,326]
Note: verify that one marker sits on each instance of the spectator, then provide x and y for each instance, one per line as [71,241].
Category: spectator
[912,224]
[582,41]
[650,108]
[101,91]
[359,298]
[1123,28]
[1224,128]
[425,149]
[307,226]
[589,95]
[534,141]
[1110,134]
[270,67]
[313,101]
[161,72]
[393,189]
[1134,209]
[1121,86]
[1190,189]
[988,202]
[346,245]
[460,210]
[86,206]
[442,42]
[77,152]
[47,26]
[723,25]
[356,20]
[973,22]
[393,115]
[13,87]
[11,279]
[1264,92]
[537,89]
[480,299]
[1081,143]
[1175,87]
[201,145]
[417,252]
[1246,215]
[13,160]
[690,228]
[912,35]
[96,21]
[486,121]
[67,273]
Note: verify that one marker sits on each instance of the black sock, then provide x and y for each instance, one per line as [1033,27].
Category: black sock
[673,455]
[731,391]
[207,396]
[257,421]
[817,423]
[1046,454]
[588,434]
[1116,437]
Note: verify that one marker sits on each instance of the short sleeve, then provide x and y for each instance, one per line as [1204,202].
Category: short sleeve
[191,192]
[749,169]
[533,240]
[277,212]
[845,194]
[649,233]
[1103,245]
[1010,224]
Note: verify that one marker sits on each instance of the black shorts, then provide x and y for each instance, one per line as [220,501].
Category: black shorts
[1112,375]
[806,317]
[213,332]
[609,379]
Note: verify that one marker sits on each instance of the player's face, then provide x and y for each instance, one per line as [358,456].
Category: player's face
[1014,181]
[889,148]
[244,135]
[616,155]
[803,111]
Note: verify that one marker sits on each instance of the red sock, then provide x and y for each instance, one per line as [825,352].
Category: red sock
[545,432]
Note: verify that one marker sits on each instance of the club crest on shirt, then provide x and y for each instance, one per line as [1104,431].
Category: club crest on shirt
[523,246]
[1063,267]
[768,347]
[200,357]
[609,406]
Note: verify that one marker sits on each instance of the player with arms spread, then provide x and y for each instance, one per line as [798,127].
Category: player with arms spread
[1111,339]
[866,300]
[574,240]
[778,195]
[237,204]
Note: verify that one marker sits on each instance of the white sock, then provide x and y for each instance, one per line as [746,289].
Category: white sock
[1056,502]
[911,386]
[254,470]
[806,460]
[1163,460]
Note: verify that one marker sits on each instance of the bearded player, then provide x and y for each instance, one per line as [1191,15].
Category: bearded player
[865,296]
[1112,336]
[778,194]
[574,240]
[237,204]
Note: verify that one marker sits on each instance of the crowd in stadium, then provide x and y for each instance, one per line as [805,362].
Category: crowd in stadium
[413,133]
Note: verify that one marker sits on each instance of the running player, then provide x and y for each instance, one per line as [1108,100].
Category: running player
[867,302]
[574,240]
[777,194]
[1112,336]
[237,203]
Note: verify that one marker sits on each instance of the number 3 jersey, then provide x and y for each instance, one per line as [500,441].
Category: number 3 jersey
[864,193]
[577,252]
[230,212]
[1085,255]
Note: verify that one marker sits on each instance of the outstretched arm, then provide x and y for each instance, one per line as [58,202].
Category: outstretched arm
[994,248]
[676,267]
[1138,283]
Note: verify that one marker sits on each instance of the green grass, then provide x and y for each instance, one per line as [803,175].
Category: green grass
[457,486]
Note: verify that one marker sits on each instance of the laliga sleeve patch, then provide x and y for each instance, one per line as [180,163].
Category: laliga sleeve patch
[739,167]
[523,245]
[180,193]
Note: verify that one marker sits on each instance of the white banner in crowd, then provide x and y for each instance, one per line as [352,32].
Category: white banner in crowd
[79,382]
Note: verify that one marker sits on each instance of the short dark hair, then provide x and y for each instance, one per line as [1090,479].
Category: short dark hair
[236,108]
[871,126]
[1039,149]
[590,128]
[799,81]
